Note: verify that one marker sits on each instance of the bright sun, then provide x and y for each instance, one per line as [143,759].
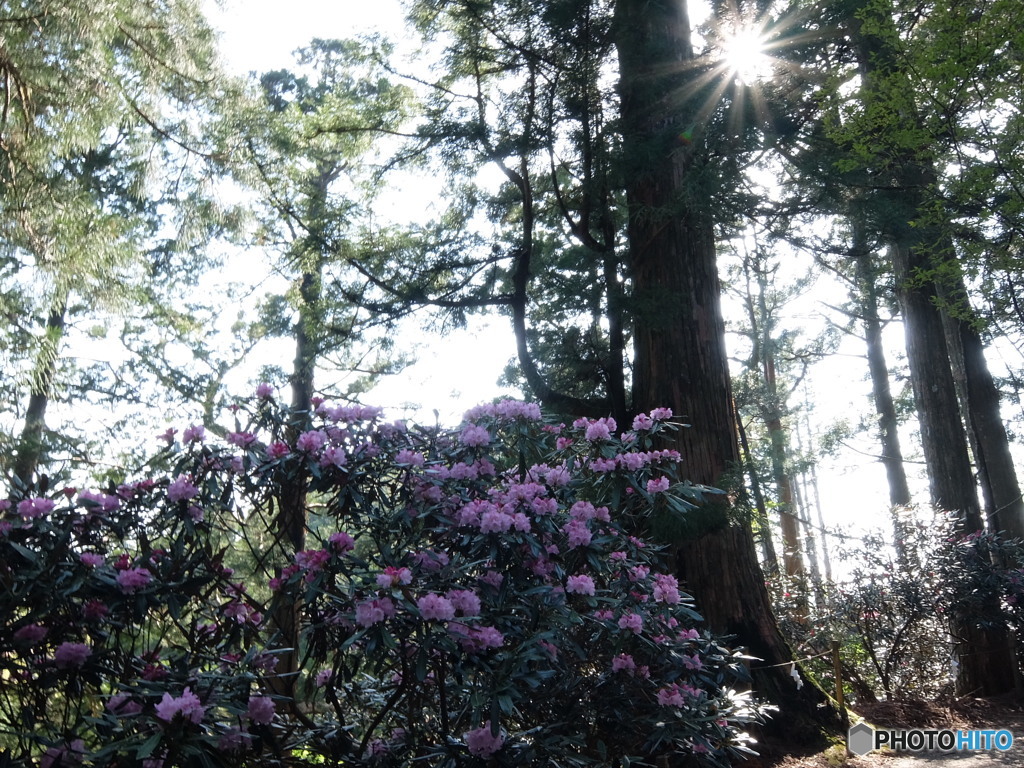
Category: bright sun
[744,53]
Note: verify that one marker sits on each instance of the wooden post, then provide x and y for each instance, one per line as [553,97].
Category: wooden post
[839,678]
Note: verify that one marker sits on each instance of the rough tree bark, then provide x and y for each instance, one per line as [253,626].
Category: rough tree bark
[679,350]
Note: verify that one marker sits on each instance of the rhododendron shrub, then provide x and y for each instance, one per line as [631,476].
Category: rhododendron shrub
[477,596]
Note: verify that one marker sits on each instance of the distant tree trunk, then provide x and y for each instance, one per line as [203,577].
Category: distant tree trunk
[888,423]
[679,349]
[290,522]
[30,445]
[764,537]
[792,551]
[810,498]
[986,662]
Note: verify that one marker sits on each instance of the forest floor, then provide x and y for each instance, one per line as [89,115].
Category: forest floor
[956,715]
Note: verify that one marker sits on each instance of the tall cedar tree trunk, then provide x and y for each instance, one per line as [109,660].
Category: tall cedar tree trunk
[1004,508]
[768,555]
[986,661]
[865,275]
[792,552]
[30,446]
[290,523]
[679,348]
[885,408]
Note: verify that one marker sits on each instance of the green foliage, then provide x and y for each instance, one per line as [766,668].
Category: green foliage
[894,613]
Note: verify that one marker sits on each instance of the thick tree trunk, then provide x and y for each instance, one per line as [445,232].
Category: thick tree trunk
[30,445]
[679,349]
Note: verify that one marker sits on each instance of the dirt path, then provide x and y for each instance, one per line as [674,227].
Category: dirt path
[955,715]
[1012,758]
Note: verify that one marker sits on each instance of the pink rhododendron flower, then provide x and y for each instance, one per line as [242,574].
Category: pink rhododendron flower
[242,613]
[495,521]
[660,414]
[392,577]
[240,439]
[33,508]
[260,710]
[549,648]
[435,608]
[632,621]
[341,542]
[104,501]
[580,585]
[195,433]
[187,705]
[481,742]
[265,391]
[488,637]
[168,436]
[582,510]
[311,442]
[493,579]
[689,634]
[466,601]
[578,533]
[278,450]
[639,572]
[70,655]
[122,705]
[370,612]
[632,461]
[30,634]
[405,456]
[623,661]
[323,677]
[657,485]
[642,422]
[670,696]
[181,489]
[666,589]
[429,560]
[475,436]
[64,757]
[133,579]
[692,662]
[334,456]
[601,429]
[313,559]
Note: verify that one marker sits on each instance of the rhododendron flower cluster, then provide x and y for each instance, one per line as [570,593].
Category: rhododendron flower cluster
[494,579]
[187,706]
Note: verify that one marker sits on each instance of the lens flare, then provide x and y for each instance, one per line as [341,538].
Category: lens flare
[745,55]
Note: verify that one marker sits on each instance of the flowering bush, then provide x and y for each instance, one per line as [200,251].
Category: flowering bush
[483,595]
